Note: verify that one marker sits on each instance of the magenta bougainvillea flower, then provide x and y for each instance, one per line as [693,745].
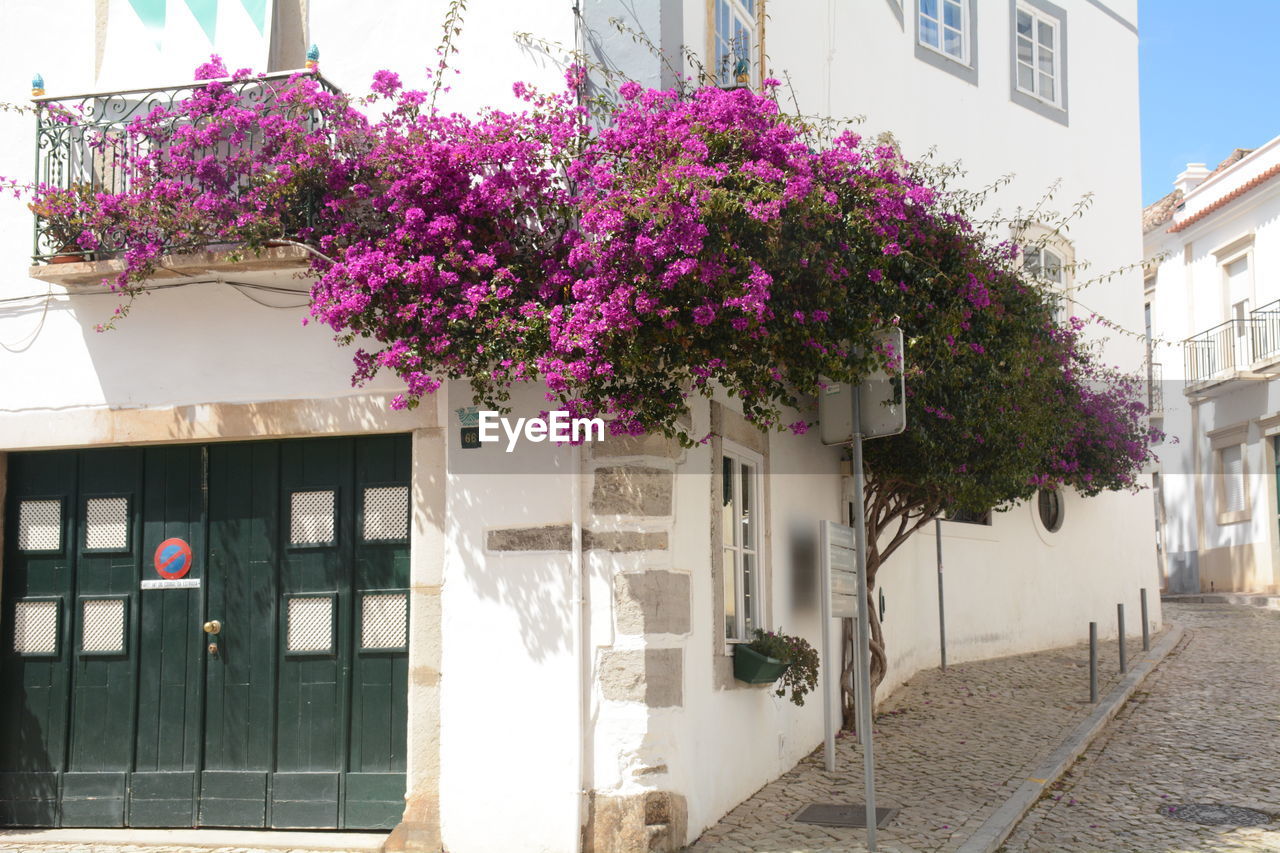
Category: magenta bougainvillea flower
[671,244]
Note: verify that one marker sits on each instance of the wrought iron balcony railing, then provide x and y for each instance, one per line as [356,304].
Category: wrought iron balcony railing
[1155,389]
[1266,332]
[80,139]
[1219,352]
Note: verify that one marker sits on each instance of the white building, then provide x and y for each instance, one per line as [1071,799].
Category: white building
[564,681]
[1214,314]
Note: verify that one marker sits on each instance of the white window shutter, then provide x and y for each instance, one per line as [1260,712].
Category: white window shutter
[1232,479]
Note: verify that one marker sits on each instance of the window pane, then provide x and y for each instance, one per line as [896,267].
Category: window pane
[729,511]
[1026,77]
[1046,61]
[1024,24]
[748,594]
[1031,260]
[929,32]
[1046,34]
[951,14]
[1052,266]
[730,569]
[1024,50]
[747,484]
[929,8]
[750,6]
[1046,87]
[106,524]
[311,518]
[954,45]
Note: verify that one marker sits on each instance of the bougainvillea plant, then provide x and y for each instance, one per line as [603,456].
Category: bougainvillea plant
[676,244]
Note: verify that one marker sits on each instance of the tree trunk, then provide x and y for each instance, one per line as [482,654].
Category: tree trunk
[885,511]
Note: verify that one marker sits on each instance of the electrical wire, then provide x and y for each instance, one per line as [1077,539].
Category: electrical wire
[26,343]
[241,287]
[269,288]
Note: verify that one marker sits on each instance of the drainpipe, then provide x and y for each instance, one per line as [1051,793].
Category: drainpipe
[582,638]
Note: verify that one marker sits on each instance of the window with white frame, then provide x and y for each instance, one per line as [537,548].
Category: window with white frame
[1038,54]
[1231,496]
[735,42]
[1048,260]
[740,544]
[944,26]
[1047,265]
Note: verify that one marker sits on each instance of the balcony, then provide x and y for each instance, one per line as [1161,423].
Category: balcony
[1219,354]
[1242,348]
[82,146]
[1266,334]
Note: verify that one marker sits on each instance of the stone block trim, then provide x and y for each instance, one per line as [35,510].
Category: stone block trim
[652,603]
[559,537]
[632,490]
[547,537]
[624,541]
[652,676]
[650,444]
[654,821]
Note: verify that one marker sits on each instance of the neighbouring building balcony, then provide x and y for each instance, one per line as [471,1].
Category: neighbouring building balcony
[1155,389]
[82,146]
[1242,348]
[1266,333]
[1219,354]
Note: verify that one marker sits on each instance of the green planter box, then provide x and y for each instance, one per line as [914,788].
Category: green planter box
[754,668]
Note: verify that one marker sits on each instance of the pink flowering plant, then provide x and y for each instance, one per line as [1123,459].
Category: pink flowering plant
[667,245]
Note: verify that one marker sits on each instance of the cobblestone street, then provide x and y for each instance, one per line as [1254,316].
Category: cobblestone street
[1203,728]
[950,748]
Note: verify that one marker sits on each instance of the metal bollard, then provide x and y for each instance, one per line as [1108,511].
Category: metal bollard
[1146,622]
[1093,661]
[1124,667]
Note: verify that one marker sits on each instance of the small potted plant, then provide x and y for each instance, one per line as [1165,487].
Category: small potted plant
[62,214]
[776,657]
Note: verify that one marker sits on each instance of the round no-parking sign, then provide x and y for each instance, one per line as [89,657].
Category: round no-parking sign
[173,558]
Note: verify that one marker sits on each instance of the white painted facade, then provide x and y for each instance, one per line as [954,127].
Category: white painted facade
[511,728]
[1215,250]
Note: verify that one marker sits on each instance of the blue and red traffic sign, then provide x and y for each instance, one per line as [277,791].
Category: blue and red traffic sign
[173,558]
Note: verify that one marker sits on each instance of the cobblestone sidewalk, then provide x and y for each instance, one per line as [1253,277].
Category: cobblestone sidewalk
[1203,728]
[950,748]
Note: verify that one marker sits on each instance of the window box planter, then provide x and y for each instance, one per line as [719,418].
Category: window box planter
[754,668]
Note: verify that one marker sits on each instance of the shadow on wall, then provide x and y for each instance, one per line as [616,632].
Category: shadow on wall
[535,586]
[803,556]
[508,517]
[211,342]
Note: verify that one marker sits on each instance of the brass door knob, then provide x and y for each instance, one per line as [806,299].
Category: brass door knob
[212,627]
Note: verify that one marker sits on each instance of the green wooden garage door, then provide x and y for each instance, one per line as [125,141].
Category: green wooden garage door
[120,710]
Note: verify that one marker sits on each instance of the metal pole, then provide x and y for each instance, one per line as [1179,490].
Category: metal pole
[1146,623]
[942,613]
[1093,662]
[828,672]
[1120,624]
[864,627]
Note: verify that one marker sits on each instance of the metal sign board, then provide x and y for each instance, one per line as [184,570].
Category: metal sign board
[177,583]
[882,399]
[842,570]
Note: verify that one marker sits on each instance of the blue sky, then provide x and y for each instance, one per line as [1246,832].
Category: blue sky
[1210,83]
